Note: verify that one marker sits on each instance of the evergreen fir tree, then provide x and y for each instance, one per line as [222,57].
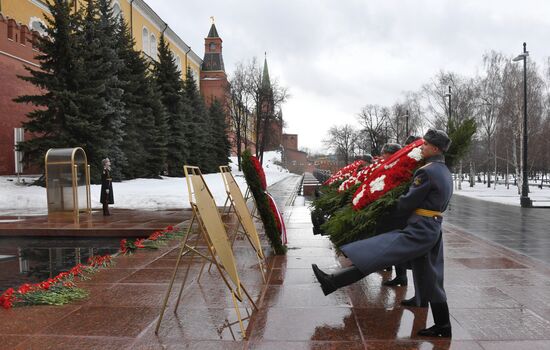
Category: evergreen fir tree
[100,88]
[145,141]
[461,134]
[52,122]
[200,135]
[177,108]
[218,122]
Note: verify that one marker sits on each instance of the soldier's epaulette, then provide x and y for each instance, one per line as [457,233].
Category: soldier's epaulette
[425,166]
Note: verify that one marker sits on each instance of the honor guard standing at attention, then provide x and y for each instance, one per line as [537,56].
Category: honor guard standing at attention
[420,242]
[106,196]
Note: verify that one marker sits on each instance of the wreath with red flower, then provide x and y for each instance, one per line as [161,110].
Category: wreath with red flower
[260,171]
[269,218]
[366,198]
[278,218]
[344,173]
[359,175]
[387,175]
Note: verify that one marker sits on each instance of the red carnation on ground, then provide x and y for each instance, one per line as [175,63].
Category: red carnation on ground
[139,243]
[123,248]
[7,298]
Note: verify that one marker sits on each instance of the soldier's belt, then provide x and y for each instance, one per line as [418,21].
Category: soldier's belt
[427,213]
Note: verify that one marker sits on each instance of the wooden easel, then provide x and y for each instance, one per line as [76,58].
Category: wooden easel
[246,225]
[219,252]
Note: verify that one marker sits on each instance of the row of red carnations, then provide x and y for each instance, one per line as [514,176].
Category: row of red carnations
[12,297]
[65,281]
[151,242]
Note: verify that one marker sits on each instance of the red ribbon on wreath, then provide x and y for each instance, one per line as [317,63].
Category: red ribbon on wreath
[278,218]
[260,171]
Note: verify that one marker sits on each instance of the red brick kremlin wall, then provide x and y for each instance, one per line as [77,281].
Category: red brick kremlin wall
[16,50]
[290,141]
[213,86]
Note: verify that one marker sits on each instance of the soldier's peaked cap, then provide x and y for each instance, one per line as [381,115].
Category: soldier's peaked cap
[438,138]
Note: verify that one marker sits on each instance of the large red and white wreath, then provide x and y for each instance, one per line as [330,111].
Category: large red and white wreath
[345,172]
[360,175]
[388,174]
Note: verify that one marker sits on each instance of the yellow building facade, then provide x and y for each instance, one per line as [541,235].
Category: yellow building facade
[146,27]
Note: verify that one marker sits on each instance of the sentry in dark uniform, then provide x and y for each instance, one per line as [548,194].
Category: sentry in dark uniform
[106,197]
[420,242]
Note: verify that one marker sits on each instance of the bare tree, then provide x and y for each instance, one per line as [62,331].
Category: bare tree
[239,103]
[491,94]
[342,141]
[375,122]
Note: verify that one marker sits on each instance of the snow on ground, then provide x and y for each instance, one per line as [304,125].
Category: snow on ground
[503,195]
[165,193]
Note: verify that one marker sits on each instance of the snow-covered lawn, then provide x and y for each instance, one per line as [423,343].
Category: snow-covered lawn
[165,193]
[503,195]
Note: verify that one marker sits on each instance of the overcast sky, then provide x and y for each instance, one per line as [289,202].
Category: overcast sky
[337,56]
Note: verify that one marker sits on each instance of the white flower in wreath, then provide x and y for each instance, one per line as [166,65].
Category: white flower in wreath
[360,195]
[391,165]
[377,184]
[343,186]
[346,184]
[415,154]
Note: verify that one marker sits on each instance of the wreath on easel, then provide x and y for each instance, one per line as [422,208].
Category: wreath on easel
[269,214]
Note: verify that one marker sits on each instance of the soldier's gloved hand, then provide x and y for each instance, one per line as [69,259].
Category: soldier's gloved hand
[107,191]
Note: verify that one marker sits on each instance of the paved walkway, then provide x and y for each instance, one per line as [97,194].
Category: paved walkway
[122,223]
[498,300]
[523,229]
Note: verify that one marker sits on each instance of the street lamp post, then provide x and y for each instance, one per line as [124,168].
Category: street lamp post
[406,116]
[448,94]
[524,200]
[407,124]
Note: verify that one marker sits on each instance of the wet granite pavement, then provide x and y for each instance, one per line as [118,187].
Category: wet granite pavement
[525,230]
[121,223]
[498,300]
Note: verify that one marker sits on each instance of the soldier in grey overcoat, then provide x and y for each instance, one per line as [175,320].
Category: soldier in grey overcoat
[420,242]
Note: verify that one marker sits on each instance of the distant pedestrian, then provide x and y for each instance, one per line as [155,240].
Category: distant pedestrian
[107,196]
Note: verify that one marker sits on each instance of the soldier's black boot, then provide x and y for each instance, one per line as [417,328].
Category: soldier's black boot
[332,282]
[412,303]
[442,327]
[106,209]
[400,277]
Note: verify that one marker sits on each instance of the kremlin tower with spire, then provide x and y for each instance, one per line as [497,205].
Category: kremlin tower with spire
[213,80]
